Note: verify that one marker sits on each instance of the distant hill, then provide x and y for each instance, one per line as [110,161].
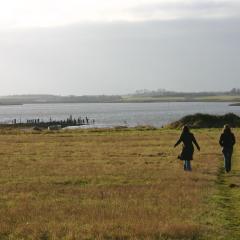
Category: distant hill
[207,121]
[27,99]
[138,97]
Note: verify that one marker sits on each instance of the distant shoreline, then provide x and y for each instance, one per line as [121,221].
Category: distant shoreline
[131,101]
[11,104]
[151,97]
[235,104]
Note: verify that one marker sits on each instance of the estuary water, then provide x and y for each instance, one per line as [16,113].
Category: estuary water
[115,114]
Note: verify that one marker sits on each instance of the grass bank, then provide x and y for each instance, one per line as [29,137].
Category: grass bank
[113,184]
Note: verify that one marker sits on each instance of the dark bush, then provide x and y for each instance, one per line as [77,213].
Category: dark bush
[200,120]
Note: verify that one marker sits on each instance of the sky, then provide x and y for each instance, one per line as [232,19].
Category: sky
[79,47]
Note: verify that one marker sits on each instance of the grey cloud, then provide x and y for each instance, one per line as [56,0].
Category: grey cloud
[122,57]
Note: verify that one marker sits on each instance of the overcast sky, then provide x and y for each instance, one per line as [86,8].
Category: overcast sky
[114,47]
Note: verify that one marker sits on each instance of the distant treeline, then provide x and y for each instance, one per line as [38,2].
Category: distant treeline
[165,93]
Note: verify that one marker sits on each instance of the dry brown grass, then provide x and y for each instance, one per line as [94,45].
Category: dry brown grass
[118,184]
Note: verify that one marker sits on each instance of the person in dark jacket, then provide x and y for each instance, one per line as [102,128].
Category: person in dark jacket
[227,141]
[187,138]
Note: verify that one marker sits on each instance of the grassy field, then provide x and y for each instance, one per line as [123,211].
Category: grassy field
[115,184]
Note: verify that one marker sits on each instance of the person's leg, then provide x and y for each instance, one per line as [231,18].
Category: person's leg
[230,161]
[227,161]
[229,157]
[224,161]
[185,165]
[188,165]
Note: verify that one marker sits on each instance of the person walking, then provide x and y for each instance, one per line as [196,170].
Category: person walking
[227,141]
[188,139]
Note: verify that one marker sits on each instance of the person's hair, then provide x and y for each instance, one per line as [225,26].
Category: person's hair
[185,129]
[226,128]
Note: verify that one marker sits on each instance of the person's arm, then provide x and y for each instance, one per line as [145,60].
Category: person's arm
[221,140]
[196,143]
[178,142]
[233,139]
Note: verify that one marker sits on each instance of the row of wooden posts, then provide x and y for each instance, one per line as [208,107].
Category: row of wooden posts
[70,121]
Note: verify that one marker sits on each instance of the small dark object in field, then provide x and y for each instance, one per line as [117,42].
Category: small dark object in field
[37,129]
[120,127]
[233,185]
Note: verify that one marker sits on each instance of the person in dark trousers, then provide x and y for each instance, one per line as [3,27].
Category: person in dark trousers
[187,138]
[227,141]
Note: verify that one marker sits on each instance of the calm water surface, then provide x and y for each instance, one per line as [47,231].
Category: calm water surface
[114,114]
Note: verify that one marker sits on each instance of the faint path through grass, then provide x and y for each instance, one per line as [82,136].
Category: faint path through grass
[228,201]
